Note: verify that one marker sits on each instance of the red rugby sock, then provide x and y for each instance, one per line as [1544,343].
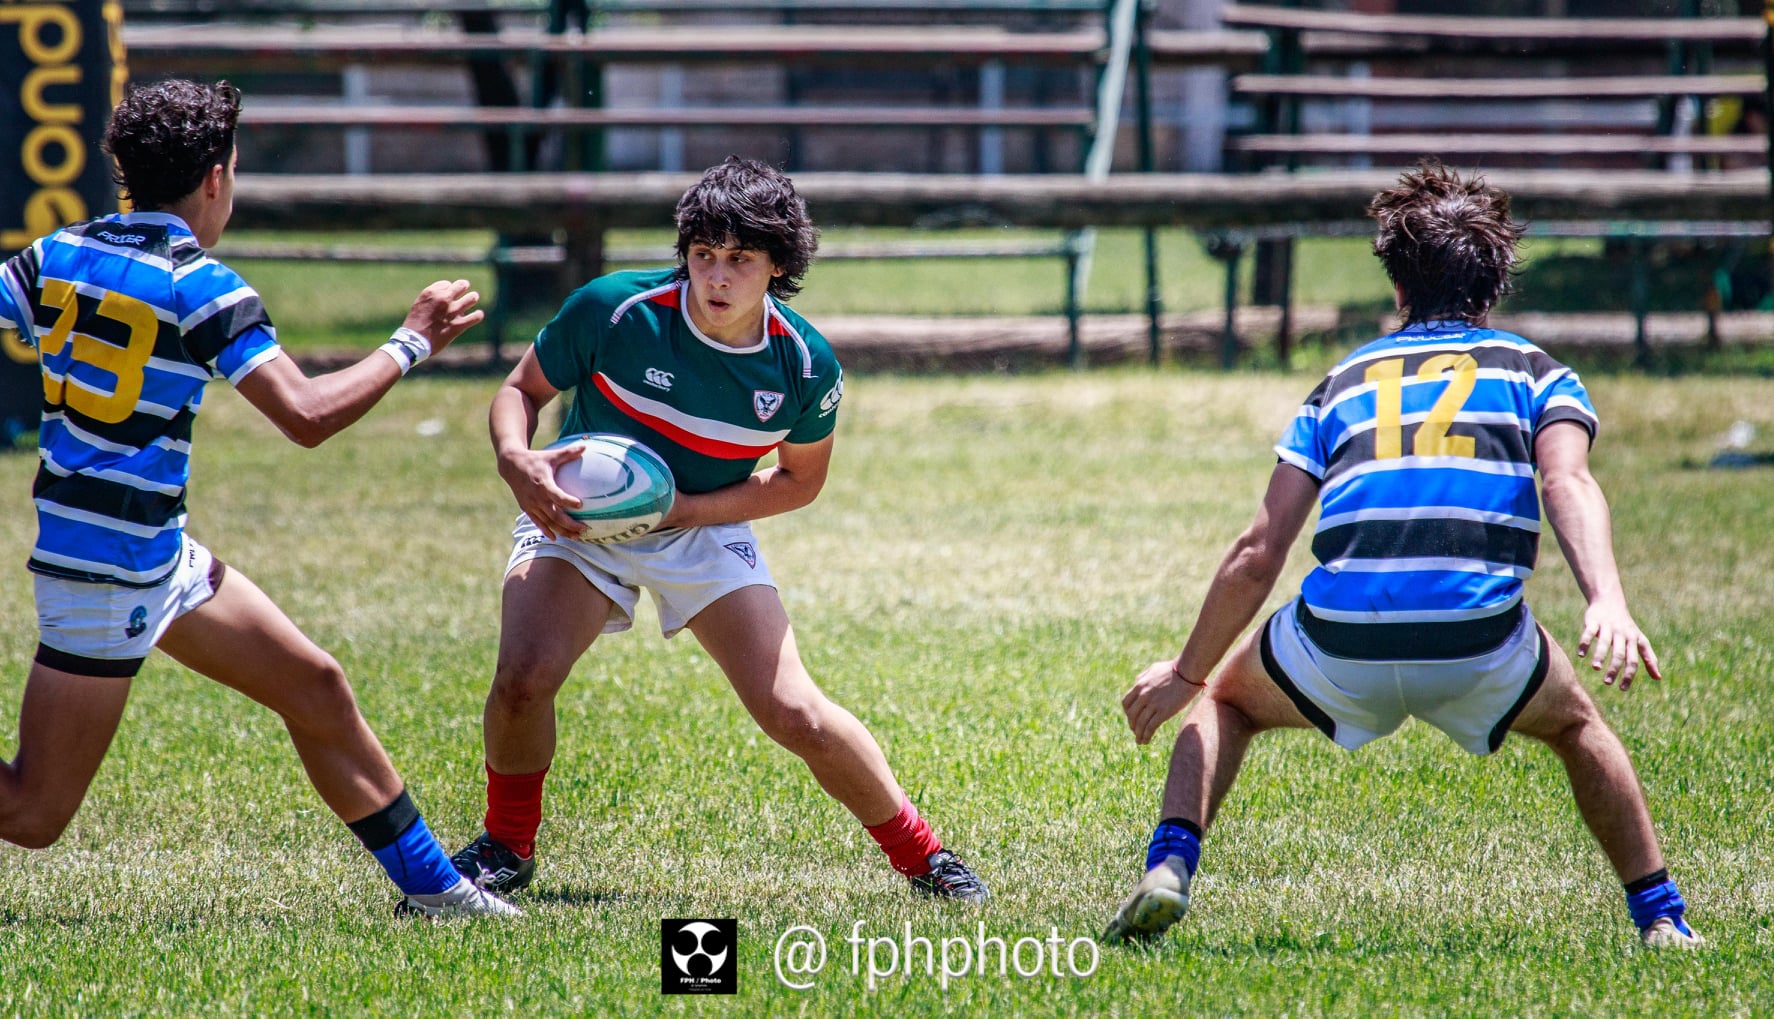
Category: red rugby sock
[907,840]
[514,809]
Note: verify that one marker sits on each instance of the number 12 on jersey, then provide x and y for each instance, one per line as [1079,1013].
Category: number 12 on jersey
[1432,438]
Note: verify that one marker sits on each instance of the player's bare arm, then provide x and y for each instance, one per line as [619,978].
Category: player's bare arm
[1578,512]
[1241,584]
[794,481]
[311,410]
[529,473]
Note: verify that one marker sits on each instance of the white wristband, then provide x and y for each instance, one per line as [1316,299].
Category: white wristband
[407,348]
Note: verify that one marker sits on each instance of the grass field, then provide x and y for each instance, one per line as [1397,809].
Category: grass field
[991,562]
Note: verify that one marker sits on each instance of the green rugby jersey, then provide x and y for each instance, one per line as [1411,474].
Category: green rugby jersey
[642,369]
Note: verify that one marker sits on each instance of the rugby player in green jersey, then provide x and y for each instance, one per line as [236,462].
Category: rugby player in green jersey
[704,364]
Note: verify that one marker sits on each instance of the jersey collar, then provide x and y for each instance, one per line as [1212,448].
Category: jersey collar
[763,325]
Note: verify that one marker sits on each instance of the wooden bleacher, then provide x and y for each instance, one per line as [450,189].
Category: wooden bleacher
[1577,94]
[1234,208]
[1072,35]
[1206,202]
[1418,58]
[165,49]
[1514,35]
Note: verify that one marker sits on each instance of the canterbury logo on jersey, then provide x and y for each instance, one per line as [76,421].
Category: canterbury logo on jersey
[829,402]
[658,379]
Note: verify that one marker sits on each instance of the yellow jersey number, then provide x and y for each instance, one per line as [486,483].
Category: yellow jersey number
[125,363]
[1432,437]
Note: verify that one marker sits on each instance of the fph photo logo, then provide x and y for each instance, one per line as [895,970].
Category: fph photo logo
[699,956]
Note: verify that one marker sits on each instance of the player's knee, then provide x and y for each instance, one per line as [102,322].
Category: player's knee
[34,828]
[521,683]
[323,701]
[1573,732]
[799,726]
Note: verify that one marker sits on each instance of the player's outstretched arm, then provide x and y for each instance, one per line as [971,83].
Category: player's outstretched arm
[1243,581]
[529,473]
[794,481]
[1578,512]
[312,410]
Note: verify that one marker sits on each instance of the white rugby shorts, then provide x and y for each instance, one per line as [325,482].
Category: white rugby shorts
[685,569]
[1354,702]
[94,629]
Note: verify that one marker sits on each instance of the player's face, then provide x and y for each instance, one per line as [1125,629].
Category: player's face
[727,288]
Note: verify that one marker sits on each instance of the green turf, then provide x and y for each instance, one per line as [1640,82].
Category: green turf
[992,561]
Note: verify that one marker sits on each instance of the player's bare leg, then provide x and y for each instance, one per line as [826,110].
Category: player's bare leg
[549,616]
[1606,787]
[240,638]
[748,635]
[1240,701]
[65,727]
[1608,795]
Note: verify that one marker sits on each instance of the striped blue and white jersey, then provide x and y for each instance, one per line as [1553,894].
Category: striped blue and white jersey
[130,320]
[1423,444]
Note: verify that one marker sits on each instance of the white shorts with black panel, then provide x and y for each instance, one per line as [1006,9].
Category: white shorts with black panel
[1356,701]
[686,569]
[97,629]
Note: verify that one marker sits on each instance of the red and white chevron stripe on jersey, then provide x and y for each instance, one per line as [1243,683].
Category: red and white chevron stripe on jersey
[702,435]
[777,324]
[667,295]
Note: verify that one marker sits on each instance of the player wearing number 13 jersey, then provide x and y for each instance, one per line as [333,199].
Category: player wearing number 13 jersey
[1420,451]
[704,364]
[131,319]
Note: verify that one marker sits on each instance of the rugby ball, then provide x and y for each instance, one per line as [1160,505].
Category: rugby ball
[624,488]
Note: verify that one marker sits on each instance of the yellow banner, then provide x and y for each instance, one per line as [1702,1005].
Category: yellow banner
[61,71]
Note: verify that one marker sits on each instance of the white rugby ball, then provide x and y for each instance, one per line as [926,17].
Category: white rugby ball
[624,488]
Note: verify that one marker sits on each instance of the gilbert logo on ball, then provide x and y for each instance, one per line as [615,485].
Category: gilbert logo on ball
[624,488]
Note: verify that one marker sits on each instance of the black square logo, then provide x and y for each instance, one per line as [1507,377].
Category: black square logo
[699,956]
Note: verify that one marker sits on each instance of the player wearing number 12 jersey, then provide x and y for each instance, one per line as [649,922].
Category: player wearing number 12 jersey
[1420,451]
[131,320]
[705,365]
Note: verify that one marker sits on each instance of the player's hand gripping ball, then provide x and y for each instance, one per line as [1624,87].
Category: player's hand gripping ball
[625,489]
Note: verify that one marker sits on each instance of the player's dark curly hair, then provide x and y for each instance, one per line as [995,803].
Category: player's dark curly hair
[1448,243]
[756,206]
[164,137]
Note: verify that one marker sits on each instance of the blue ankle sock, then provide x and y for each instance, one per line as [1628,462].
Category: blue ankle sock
[399,840]
[1655,896]
[1175,836]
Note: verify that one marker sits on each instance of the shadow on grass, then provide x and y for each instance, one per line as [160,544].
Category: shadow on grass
[576,895]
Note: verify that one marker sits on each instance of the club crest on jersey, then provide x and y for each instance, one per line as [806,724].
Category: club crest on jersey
[746,551]
[766,403]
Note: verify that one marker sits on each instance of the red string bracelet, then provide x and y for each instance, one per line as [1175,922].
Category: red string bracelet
[1178,673]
